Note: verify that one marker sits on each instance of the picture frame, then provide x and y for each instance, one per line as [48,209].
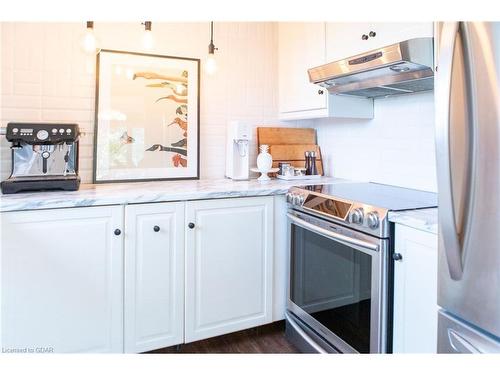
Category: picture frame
[147,117]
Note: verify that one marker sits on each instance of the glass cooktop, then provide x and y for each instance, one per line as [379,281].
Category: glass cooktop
[384,196]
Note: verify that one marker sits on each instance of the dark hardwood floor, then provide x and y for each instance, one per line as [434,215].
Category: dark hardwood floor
[265,339]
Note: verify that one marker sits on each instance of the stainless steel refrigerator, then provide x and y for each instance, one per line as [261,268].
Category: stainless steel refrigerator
[467,93]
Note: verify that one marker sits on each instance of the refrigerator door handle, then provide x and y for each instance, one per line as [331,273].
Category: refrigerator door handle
[447,211]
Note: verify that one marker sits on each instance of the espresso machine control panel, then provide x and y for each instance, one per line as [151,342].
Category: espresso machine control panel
[41,133]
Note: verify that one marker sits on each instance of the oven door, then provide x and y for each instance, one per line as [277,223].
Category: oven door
[338,283]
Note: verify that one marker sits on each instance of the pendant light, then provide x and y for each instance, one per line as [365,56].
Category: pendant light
[147,37]
[211,64]
[88,40]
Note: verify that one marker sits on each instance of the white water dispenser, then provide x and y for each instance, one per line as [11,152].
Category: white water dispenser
[238,136]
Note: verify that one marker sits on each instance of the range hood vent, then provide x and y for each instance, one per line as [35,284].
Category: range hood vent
[397,69]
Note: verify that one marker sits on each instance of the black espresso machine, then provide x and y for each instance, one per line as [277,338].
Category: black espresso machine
[44,157]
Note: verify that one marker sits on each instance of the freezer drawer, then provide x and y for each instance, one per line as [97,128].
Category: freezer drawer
[455,336]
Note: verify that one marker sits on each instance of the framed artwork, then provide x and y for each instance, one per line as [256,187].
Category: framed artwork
[146,117]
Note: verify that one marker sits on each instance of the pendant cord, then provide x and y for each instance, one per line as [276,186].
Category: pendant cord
[211,46]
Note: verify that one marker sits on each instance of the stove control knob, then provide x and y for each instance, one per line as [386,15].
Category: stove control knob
[289,197]
[298,199]
[301,199]
[357,216]
[42,135]
[372,220]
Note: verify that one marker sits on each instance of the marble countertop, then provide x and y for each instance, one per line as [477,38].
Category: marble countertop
[426,220]
[146,192]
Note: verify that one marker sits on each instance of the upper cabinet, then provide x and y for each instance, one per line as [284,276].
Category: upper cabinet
[306,45]
[349,39]
[438,27]
[303,46]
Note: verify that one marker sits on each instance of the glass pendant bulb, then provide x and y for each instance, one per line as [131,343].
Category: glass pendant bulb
[211,64]
[88,40]
[147,37]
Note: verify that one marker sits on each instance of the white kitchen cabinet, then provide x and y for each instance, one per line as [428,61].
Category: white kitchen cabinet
[346,39]
[438,26]
[280,258]
[301,47]
[229,264]
[62,280]
[415,291]
[154,276]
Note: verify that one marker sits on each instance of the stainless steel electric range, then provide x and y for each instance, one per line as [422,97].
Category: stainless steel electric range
[341,258]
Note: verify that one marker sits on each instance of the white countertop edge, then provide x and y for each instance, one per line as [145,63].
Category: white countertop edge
[150,192]
[425,219]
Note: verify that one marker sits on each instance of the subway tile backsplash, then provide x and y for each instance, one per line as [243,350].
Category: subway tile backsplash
[396,147]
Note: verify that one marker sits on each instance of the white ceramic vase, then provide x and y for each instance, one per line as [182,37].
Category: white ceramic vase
[264,162]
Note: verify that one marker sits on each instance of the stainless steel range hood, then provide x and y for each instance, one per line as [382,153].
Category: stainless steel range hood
[397,69]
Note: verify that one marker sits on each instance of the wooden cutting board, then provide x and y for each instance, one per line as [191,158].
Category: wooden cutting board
[288,145]
[286,136]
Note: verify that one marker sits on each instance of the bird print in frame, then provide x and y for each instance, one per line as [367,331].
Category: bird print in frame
[147,117]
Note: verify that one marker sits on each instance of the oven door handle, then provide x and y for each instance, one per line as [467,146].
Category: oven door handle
[304,335]
[357,244]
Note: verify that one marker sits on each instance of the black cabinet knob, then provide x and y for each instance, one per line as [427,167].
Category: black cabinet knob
[364,37]
[191,225]
[397,256]
[372,34]
[156,228]
[118,232]
[321,92]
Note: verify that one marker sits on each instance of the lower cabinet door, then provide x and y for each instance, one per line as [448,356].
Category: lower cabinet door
[415,291]
[154,276]
[229,263]
[280,258]
[62,280]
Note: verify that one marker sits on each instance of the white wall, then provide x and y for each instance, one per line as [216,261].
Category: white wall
[46,77]
[396,147]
